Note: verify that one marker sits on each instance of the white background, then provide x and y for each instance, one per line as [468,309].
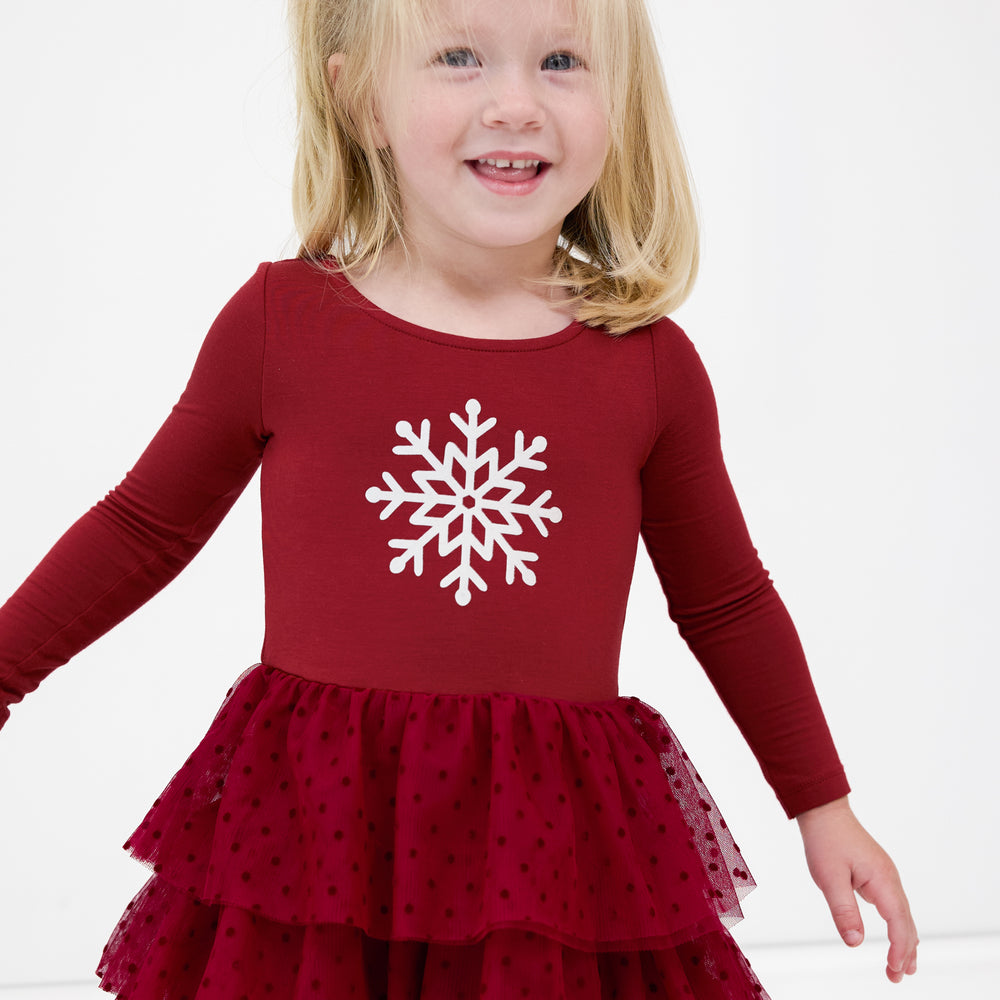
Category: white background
[846,157]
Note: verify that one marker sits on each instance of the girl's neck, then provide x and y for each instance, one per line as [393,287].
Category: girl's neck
[497,299]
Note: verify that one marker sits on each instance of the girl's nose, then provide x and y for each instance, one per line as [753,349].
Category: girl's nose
[514,102]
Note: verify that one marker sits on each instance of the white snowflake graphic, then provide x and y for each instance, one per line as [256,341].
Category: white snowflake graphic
[467,501]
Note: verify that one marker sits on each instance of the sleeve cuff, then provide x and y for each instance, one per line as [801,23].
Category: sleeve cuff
[833,786]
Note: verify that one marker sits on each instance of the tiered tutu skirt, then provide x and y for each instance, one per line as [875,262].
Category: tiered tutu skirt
[327,842]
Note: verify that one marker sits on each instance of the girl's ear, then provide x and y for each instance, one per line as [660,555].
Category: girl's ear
[333,67]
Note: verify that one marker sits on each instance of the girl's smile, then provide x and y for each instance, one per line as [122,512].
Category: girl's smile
[508,173]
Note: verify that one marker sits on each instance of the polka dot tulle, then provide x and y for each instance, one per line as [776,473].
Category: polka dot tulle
[326,841]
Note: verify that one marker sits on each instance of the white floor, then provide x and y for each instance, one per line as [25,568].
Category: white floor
[950,969]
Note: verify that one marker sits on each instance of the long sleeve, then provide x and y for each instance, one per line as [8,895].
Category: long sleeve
[141,535]
[719,594]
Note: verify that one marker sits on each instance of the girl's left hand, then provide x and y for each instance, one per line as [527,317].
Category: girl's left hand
[844,859]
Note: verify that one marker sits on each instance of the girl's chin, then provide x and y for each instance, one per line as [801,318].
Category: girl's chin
[505,240]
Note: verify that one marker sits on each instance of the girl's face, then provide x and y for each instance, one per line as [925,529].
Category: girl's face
[496,125]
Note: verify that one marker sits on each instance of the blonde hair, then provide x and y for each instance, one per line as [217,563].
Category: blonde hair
[628,253]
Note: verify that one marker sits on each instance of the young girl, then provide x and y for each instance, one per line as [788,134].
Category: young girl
[467,406]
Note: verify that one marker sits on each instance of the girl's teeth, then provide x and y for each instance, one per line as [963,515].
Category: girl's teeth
[516,164]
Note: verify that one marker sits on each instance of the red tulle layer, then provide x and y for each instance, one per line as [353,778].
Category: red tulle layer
[327,841]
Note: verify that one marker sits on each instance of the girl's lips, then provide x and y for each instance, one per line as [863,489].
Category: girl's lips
[508,180]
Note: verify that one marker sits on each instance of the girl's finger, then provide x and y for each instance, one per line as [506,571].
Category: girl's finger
[890,900]
[845,912]
[886,894]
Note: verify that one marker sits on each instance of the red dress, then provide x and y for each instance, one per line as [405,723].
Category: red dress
[430,787]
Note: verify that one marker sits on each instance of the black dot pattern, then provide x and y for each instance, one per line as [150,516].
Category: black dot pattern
[332,841]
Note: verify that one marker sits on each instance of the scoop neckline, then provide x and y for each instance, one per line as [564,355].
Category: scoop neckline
[543,342]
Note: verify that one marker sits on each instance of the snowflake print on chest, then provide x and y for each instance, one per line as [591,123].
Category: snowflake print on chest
[467,502]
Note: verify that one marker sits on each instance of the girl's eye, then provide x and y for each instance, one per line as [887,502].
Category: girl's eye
[458,59]
[561,61]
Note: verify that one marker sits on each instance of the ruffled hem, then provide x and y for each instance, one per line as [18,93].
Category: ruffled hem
[492,843]
[172,945]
